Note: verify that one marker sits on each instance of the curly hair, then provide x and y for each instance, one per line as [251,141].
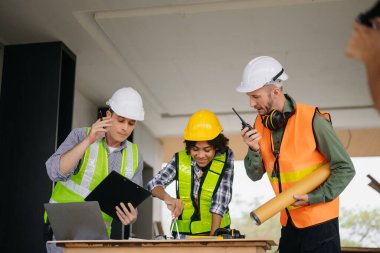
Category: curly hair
[220,143]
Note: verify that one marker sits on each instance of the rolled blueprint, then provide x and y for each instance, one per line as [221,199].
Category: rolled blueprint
[285,198]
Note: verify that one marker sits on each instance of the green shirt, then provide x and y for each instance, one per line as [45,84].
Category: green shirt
[342,169]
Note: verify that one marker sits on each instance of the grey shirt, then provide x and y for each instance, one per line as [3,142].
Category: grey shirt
[76,136]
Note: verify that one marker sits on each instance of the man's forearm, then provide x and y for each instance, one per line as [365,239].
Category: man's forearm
[70,159]
[253,165]
[342,169]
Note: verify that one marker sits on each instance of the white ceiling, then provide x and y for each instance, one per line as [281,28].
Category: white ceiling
[183,56]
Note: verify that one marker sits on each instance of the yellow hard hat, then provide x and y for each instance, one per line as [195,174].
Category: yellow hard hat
[202,126]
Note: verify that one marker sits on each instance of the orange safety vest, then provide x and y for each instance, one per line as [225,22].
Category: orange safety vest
[298,158]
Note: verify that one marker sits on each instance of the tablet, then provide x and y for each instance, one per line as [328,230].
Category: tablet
[115,189]
[76,221]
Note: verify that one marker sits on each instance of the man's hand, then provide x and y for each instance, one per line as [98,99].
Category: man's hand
[70,159]
[251,138]
[301,200]
[126,216]
[364,43]
[174,205]
[99,128]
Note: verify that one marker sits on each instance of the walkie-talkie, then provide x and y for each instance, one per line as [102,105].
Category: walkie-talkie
[244,124]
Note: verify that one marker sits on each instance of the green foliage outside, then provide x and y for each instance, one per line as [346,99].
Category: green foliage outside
[269,230]
[358,228]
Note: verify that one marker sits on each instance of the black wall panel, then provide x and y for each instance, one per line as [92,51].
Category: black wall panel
[36,104]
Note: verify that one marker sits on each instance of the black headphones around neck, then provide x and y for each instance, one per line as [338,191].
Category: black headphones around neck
[275,119]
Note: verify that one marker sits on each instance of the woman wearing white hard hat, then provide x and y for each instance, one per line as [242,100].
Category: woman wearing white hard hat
[88,155]
[288,142]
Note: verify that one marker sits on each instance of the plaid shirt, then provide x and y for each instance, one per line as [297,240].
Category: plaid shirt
[222,196]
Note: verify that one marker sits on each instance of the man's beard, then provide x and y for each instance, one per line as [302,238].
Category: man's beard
[269,106]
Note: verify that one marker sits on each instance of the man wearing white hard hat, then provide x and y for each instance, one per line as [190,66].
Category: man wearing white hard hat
[288,142]
[87,155]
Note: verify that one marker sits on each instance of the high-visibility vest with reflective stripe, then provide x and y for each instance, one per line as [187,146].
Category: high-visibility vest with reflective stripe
[93,170]
[188,224]
[298,158]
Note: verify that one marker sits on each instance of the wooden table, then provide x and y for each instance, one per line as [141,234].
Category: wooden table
[359,249]
[168,246]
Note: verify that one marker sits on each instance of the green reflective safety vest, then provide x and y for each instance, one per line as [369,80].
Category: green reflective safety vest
[189,222]
[93,170]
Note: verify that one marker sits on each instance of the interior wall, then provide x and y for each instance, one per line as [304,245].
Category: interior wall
[84,113]
[152,151]
[149,146]
[173,144]
[358,142]
[143,228]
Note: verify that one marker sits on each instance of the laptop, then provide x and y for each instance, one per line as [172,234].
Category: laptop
[76,221]
[115,189]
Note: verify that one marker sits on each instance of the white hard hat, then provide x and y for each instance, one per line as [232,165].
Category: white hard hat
[261,71]
[127,103]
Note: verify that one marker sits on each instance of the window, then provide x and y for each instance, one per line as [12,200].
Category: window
[359,206]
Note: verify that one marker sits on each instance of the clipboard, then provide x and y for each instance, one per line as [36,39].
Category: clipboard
[114,189]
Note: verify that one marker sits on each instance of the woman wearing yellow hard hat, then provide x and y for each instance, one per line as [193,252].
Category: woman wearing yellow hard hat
[204,176]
